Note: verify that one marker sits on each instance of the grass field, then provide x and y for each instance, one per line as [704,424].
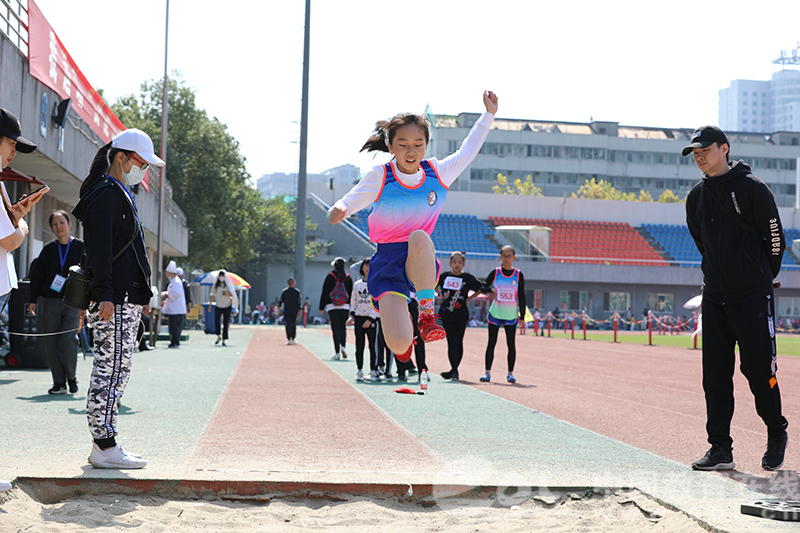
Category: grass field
[787,344]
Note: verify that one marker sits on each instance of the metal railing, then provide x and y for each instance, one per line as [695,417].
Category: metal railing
[347,224]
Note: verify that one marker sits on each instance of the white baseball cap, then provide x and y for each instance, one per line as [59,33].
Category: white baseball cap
[134,140]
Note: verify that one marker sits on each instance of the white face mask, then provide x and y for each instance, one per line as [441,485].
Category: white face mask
[136,175]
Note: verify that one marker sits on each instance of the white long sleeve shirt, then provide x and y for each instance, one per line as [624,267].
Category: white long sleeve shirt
[448,169]
[175,302]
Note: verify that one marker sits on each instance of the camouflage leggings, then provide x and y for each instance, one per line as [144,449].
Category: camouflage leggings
[114,341]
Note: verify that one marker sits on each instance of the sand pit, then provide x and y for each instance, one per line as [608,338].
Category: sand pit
[620,511]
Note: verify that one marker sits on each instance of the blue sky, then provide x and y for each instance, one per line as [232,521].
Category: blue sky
[656,63]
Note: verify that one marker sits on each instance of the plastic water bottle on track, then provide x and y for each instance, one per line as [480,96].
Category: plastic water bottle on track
[423,380]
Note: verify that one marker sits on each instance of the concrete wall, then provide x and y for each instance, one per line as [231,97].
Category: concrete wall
[65,170]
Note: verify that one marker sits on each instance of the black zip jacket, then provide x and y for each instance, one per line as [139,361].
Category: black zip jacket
[48,264]
[735,224]
[108,225]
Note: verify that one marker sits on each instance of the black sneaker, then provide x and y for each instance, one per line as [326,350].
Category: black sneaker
[446,375]
[73,385]
[58,388]
[401,376]
[454,377]
[776,448]
[715,459]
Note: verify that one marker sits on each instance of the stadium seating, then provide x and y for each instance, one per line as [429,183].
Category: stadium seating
[573,241]
[679,246]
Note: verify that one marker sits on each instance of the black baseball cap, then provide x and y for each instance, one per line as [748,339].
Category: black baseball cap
[10,127]
[705,136]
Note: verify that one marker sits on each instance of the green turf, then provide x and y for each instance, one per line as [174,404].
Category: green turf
[787,344]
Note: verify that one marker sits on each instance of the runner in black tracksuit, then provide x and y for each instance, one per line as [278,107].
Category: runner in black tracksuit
[735,224]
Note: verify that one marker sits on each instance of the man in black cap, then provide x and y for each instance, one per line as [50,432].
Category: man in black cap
[11,129]
[735,224]
[13,230]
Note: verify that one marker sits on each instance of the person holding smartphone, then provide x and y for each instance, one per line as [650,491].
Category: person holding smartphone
[13,228]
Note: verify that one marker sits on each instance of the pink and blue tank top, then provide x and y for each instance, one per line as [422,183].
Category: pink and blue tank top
[398,210]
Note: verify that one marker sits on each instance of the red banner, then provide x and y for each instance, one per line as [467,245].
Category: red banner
[50,63]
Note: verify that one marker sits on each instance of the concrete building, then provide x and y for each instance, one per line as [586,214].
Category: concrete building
[561,156]
[764,106]
[280,183]
[64,153]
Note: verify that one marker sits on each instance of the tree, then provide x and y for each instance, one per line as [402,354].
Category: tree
[600,190]
[669,197]
[521,188]
[276,241]
[225,215]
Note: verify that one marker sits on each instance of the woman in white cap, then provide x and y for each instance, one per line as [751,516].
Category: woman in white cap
[173,305]
[117,257]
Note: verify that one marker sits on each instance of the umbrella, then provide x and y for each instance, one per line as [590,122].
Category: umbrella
[694,302]
[210,277]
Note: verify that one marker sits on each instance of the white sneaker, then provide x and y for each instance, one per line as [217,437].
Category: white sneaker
[292,342]
[344,354]
[360,375]
[335,357]
[5,485]
[115,457]
[373,375]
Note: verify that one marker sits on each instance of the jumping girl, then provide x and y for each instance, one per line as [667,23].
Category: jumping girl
[407,195]
[454,287]
[508,287]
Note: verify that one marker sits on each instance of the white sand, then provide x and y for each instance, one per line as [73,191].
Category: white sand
[622,511]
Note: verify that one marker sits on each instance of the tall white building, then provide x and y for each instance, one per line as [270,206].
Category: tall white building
[764,106]
[745,106]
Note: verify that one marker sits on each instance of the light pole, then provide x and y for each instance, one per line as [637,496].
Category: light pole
[162,187]
[300,235]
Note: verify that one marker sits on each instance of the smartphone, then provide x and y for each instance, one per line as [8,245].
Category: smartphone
[34,192]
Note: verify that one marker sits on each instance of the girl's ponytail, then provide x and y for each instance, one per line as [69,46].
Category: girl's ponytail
[100,165]
[378,139]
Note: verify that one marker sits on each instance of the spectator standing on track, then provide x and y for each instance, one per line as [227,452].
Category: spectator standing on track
[733,219]
[290,299]
[335,300]
[121,286]
[454,287]
[173,305]
[48,274]
[363,316]
[508,286]
[13,227]
[224,299]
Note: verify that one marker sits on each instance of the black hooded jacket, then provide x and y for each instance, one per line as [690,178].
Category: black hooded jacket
[108,225]
[735,224]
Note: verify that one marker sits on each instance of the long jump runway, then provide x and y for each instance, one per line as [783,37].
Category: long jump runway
[582,415]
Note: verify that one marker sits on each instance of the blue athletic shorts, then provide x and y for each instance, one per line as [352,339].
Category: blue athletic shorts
[491,319]
[387,272]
